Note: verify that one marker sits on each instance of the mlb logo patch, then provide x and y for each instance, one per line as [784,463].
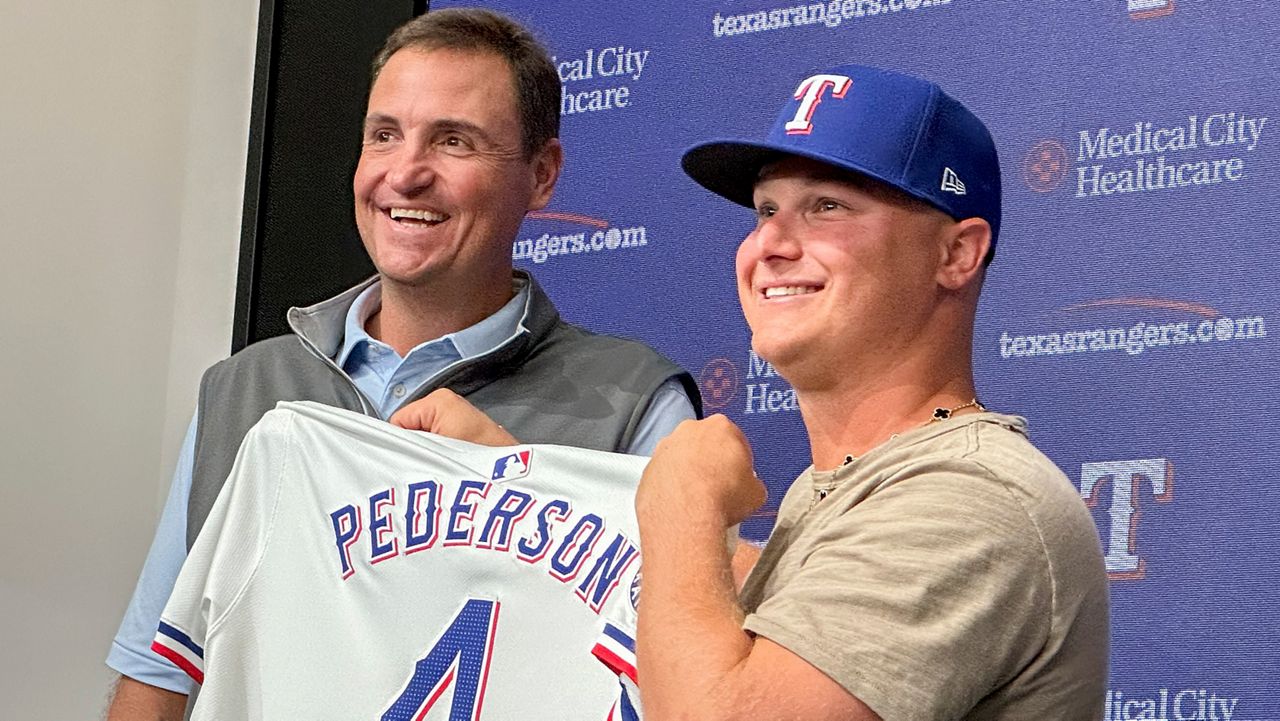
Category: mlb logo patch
[515,465]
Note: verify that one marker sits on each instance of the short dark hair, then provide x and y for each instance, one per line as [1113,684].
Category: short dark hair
[474,29]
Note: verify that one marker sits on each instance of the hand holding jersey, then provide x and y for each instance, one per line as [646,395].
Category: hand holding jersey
[446,413]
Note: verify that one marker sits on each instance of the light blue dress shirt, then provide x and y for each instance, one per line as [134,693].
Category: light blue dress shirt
[385,378]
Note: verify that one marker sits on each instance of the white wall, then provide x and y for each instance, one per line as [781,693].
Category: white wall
[123,133]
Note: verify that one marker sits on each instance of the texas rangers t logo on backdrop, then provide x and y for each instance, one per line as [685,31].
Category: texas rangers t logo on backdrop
[1126,478]
[515,465]
[809,93]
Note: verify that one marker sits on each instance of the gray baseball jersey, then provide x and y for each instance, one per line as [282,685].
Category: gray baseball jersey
[354,570]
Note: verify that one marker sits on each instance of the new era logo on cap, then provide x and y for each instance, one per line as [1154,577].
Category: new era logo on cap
[951,182]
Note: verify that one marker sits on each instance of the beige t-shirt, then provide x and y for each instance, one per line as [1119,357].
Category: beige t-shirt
[952,572]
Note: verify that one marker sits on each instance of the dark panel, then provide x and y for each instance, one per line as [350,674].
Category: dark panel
[298,240]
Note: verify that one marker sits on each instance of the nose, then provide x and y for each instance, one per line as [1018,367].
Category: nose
[411,170]
[775,237]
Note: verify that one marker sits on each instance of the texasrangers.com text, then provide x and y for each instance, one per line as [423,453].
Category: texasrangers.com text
[1133,340]
[830,14]
[546,246]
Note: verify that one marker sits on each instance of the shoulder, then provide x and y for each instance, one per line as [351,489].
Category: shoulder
[570,335]
[273,359]
[556,341]
[279,348]
[1005,486]
[989,458]
[622,358]
[986,478]
[1002,447]
[1033,484]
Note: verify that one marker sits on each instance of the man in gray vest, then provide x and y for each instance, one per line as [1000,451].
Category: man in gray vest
[459,142]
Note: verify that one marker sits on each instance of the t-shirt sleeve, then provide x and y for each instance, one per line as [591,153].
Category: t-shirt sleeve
[228,549]
[920,599]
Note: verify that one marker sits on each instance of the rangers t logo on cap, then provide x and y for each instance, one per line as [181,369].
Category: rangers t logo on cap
[809,93]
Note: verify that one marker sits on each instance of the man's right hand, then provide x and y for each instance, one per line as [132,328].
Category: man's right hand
[449,414]
[137,701]
[702,468]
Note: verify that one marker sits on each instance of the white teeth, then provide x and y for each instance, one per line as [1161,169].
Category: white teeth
[779,291]
[425,215]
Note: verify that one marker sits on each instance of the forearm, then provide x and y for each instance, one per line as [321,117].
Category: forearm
[691,647]
[137,701]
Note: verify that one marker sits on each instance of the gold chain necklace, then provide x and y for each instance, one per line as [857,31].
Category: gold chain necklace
[939,414]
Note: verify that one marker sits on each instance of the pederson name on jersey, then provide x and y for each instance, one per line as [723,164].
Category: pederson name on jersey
[436,517]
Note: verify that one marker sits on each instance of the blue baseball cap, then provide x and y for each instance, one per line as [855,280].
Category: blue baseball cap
[895,128]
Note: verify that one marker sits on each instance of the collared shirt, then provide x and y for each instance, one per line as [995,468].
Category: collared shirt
[385,378]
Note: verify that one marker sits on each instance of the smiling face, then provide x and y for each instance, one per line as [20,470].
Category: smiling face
[443,183]
[838,273]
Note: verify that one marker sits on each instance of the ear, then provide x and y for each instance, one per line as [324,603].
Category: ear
[965,245]
[547,162]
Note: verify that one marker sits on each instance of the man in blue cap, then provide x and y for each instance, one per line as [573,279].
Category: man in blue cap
[931,563]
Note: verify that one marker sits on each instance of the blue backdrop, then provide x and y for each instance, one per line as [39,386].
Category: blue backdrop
[1126,311]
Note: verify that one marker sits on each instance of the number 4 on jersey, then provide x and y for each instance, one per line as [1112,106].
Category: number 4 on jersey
[460,654]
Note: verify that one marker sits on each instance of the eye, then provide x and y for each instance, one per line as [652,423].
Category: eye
[455,144]
[827,204]
[380,136]
[766,210]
